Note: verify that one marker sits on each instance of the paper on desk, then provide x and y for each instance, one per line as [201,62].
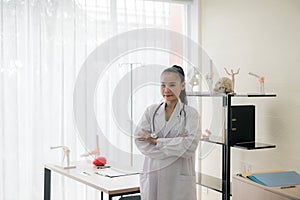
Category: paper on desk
[113,172]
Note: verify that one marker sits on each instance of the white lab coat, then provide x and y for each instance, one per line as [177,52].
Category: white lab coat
[169,166]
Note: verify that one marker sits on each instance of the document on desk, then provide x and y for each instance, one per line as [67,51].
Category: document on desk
[274,179]
[114,172]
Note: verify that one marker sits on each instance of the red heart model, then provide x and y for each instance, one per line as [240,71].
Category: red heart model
[100,161]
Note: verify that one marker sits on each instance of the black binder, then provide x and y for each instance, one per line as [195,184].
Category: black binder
[243,124]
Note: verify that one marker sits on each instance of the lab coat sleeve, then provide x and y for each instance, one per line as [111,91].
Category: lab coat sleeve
[182,146]
[170,147]
[146,148]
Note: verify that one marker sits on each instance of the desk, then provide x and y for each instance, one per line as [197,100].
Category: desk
[112,186]
[246,189]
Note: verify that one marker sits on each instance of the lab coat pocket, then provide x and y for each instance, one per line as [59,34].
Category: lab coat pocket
[185,188]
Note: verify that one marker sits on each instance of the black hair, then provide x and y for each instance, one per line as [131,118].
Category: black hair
[179,71]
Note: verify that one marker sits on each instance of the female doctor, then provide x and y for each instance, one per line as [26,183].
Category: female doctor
[168,137]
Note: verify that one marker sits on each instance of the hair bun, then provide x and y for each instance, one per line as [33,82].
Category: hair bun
[179,69]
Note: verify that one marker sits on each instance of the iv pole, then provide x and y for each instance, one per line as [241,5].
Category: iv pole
[131,106]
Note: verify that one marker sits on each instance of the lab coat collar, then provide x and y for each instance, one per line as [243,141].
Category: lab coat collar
[174,119]
[176,111]
[159,119]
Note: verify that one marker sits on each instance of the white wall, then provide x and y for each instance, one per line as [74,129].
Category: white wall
[260,36]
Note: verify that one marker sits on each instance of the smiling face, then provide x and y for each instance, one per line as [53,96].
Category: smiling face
[171,86]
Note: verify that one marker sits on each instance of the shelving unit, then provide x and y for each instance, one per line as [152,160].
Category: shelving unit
[224,185]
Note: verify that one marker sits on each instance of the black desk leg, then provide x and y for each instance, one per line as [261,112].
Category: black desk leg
[101,195]
[47,184]
[109,197]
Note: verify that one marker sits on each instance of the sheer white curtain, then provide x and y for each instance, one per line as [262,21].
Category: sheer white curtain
[44,44]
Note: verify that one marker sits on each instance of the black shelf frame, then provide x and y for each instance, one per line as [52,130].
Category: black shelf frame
[226,157]
[253,145]
[224,185]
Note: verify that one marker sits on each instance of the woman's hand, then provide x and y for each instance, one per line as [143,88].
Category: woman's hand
[146,137]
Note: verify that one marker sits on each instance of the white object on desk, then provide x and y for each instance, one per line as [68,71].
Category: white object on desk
[66,154]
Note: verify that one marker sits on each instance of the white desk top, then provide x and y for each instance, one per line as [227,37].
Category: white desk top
[292,193]
[85,173]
